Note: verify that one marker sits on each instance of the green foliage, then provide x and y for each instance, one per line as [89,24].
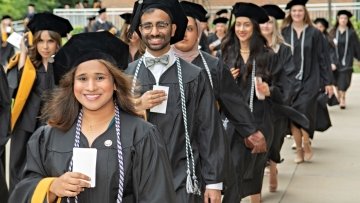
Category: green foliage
[18,8]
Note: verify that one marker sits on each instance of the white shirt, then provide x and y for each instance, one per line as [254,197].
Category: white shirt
[158,69]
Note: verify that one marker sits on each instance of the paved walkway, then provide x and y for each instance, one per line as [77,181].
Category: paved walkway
[333,176]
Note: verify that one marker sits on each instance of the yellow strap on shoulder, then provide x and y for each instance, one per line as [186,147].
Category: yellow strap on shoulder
[41,191]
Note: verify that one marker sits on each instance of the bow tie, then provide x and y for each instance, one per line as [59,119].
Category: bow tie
[150,62]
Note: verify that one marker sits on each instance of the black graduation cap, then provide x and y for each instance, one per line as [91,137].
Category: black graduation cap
[220,20]
[102,10]
[295,2]
[49,21]
[250,10]
[88,46]
[172,7]
[274,11]
[31,4]
[90,18]
[323,21]
[194,10]
[221,11]
[6,17]
[126,17]
[345,12]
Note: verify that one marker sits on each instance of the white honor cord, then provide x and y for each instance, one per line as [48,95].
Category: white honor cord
[346,45]
[207,69]
[192,184]
[299,76]
[252,90]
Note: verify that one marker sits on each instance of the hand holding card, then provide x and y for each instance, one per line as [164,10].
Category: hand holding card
[258,82]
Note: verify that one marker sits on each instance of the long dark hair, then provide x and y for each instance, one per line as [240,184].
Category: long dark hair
[62,108]
[259,50]
[34,55]
[333,31]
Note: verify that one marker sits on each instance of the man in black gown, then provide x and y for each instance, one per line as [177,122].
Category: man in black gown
[189,98]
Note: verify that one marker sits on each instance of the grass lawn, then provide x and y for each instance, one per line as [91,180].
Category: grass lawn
[356,66]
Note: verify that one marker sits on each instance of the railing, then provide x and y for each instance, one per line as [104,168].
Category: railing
[77,17]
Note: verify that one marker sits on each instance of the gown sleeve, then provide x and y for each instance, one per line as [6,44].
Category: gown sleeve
[324,61]
[233,104]
[34,170]
[356,45]
[152,176]
[5,105]
[209,133]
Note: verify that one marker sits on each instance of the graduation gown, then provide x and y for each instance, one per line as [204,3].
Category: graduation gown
[5,105]
[146,166]
[250,167]
[204,125]
[212,38]
[316,71]
[204,44]
[233,106]
[7,51]
[102,26]
[28,87]
[284,76]
[343,72]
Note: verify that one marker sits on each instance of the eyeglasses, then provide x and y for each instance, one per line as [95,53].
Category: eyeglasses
[160,26]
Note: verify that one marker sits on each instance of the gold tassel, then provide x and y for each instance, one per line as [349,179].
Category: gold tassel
[30,38]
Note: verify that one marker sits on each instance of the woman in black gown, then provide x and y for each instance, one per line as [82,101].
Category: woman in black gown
[93,108]
[312,70]
[347,48]
[30,76]
[245,52]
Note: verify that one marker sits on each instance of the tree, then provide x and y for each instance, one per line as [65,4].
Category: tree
[18,9]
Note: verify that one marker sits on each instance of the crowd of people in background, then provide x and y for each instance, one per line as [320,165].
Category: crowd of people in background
[176,111]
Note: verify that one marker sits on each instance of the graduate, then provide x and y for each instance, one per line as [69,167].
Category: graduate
[312,70]
[286,79]
[6,49]
[214,39]
[185,113]
[5,105]
[245,52]
[30,76]
[225,89]
[136,46]
[203,17]
[90,24]
[102,24]
[92,108]
[347,47]
[323,121]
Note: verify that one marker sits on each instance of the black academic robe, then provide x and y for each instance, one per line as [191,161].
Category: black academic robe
[316,71]
[6,52]
[102,26]
[233,106]
[204,125]
[250,167]
[204,44]
[212,38]
[284,76]
[29,119]
[146,166]
[5,105]
[343,72]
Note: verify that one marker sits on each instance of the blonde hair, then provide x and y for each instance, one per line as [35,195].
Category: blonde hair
[276,38]
[288,20]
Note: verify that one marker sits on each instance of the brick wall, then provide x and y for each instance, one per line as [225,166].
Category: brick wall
[212,3]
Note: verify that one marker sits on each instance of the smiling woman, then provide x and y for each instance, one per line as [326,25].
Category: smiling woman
[98,113]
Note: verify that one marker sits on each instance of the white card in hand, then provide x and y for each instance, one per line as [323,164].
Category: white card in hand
[15,39]
[161,108]
[258,81]
[84,161]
